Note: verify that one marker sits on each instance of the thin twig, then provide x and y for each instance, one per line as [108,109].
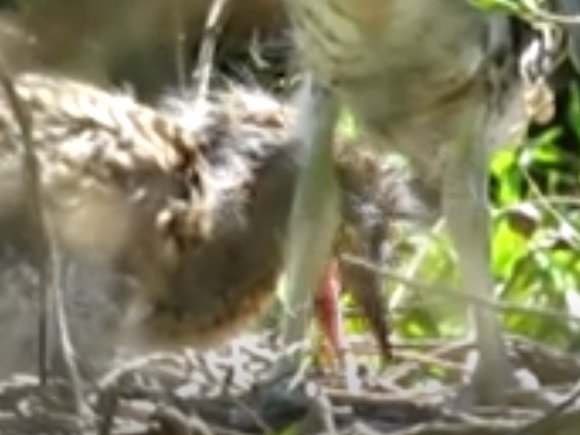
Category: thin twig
[447,292]
[47,259]
[180,45]
[532,10]
[540,425]
[205,61]
[36,214]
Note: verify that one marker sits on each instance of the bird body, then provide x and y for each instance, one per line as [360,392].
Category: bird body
[436,81]
[414,73]
[169,225]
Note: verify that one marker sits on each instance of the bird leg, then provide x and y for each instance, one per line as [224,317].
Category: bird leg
[315,210]
[327,312]
[464,200]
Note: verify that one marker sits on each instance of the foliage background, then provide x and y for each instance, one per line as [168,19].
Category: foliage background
[535,201]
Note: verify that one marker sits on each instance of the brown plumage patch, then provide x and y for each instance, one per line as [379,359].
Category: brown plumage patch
[160,248]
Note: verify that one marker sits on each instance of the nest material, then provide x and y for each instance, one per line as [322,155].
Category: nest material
[223,392]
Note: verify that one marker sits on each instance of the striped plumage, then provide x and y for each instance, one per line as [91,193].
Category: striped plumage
[171,224]
[156,135]
[412,72]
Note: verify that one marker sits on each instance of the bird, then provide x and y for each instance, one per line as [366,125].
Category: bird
[169,222]
[440,82]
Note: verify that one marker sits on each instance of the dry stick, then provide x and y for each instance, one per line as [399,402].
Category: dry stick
[36,214]
[212,29]
[107,405]
[63,331]
[108,388]
[180,45]
[446,292]
[47,259]
[541,425]
[323,407]
[536,13]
